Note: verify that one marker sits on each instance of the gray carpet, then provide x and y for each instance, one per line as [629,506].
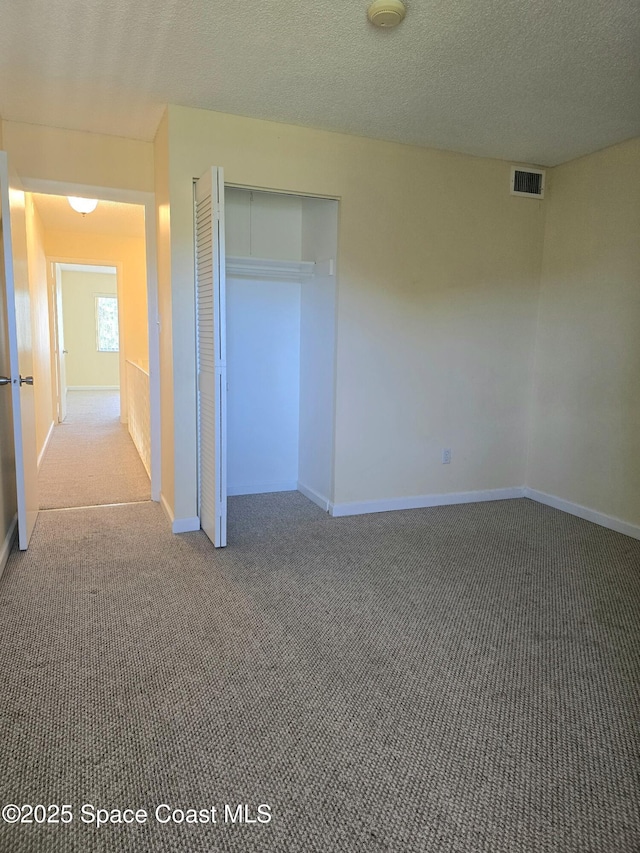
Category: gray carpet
[462,679]
[91,458]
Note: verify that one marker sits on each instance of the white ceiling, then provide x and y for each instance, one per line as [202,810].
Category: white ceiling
[537,81]
[110,217]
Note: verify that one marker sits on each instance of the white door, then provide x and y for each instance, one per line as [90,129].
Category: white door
[16,283]
[61,353]
[212,355]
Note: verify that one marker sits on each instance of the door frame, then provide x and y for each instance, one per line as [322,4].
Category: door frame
[54,275]
[147,200]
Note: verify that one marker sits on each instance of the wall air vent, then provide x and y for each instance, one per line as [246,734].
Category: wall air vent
[527,182]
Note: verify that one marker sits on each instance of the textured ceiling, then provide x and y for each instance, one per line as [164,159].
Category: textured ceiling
[538,81]
[109,217]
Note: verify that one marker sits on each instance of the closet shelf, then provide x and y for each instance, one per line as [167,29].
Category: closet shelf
[269,270]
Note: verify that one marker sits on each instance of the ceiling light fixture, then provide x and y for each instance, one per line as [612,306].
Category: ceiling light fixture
[83,205]
[386,13]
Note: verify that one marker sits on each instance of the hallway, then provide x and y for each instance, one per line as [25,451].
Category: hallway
[91,459]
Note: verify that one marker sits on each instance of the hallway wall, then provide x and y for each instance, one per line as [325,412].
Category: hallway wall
[41,334]
[86,367]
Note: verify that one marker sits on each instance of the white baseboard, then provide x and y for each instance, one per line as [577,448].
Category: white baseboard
[262,488]
[93,387]
[45,445]
[185,525]
[584,512]
[320,500]
[422,501]
[179,525]
[7,544]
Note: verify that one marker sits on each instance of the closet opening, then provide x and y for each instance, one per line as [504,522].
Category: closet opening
[280,262]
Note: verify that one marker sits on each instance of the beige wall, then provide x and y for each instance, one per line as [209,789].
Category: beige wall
[438,274]
[438,284]
[52,154]
[40,336]
[585,435]
[85,366]
[128,255]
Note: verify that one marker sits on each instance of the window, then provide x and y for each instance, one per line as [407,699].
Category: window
[107,324]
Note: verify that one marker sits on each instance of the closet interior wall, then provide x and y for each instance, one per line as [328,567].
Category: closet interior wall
[280,343]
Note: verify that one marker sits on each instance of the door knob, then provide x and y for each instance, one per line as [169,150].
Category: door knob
[26,380]
[5,380]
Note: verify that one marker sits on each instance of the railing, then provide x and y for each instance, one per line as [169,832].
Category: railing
[139,411]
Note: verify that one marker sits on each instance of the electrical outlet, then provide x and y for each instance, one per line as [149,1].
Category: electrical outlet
[446,456]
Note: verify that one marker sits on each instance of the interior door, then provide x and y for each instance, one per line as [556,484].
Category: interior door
[16,283]
[212,355]
[61,364]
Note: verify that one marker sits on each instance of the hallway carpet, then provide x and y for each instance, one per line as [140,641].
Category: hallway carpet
[463,679]
[91,458]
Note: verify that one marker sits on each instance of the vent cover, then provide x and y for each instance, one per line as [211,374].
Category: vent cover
[527,182]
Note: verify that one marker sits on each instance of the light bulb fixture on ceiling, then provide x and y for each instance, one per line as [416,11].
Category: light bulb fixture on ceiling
[386,13]
[83,205]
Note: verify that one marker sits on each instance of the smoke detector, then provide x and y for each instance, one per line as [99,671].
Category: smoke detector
[386,13]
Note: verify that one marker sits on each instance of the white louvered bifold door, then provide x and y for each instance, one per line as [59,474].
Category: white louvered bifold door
[212,366]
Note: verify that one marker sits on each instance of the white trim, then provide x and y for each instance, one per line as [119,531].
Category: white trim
[185,525]
[5,550]
[320,500]
[422,501]
[46,444]
[262,488]
[91,268]
[48,187]
[93,387]
[584,512]
[179,525]
[265,269]
[325,269]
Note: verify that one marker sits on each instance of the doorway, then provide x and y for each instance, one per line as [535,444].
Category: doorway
[99,448]
[85,327]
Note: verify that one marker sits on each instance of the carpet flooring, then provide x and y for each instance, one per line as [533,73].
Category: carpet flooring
[463,679]
[91,458]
